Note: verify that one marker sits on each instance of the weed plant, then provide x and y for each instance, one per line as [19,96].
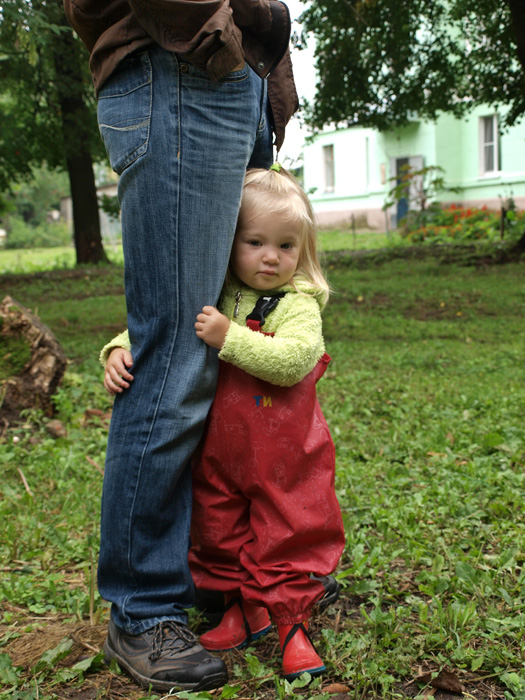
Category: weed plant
[425,398]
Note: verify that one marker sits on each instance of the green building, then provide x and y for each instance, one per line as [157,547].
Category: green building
[349,172]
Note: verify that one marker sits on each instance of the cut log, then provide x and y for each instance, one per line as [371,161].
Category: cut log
[32,361]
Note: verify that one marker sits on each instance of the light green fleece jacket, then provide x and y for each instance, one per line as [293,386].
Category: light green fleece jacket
[283,359]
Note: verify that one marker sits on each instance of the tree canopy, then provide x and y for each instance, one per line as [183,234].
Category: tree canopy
[381,61]
[47,109]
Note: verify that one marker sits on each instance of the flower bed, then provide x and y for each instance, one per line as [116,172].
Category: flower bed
[455,223]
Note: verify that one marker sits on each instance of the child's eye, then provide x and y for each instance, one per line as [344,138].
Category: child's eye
[287,246]
[254,243]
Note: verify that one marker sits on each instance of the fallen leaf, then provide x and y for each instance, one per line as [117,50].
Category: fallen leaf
[56,428]
[336,688]
[445,680]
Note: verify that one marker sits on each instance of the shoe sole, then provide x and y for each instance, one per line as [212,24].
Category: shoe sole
[216,680]
[329,598]
[242,645]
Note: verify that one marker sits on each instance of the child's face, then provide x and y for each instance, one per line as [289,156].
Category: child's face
[266,251]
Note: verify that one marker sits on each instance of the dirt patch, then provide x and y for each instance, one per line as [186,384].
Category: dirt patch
[479,255]
[29,637]
[454,309]
[37,638]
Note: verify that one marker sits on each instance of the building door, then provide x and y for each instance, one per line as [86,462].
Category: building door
[398,169]
[403,203]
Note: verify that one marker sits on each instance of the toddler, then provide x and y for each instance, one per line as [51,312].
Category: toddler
[265,513]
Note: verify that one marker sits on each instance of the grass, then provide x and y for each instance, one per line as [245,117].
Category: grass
[30,260]
[360,240]
[425,397]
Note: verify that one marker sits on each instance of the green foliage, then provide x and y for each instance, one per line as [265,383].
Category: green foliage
[32,36]
[453,223]
[419,187]
[32,200]
[111,206]
[424,397]
[48,109]
[14,353]
[380,62]
[44,235]
[45,672]
[38,260]
[361,240]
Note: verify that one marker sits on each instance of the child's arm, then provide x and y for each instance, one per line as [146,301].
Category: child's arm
[119,341]
[287,357]
[116,375]
[212,327]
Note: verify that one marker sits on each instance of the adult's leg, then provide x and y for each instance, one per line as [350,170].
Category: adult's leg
[182,144]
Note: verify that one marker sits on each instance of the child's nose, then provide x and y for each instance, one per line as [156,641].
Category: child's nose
[271,255]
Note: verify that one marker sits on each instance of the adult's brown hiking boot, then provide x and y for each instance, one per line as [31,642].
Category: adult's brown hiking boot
[164,657]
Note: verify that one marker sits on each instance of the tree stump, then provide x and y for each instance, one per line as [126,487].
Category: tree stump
[32,362]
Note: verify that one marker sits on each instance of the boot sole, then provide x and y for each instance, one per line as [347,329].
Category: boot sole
[254,637]
[312,671]
[215,680]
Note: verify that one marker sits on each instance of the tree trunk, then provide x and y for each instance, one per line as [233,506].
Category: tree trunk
[75,118]
[32,361]
[517,13]
[86,220]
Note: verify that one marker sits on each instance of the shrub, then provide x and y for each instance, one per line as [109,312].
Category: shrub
[45,235]
[455,223]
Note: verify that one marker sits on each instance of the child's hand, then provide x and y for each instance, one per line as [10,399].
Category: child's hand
[212,327]
[116,375]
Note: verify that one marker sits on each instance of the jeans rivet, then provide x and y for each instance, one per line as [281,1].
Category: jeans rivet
[183,68]
[260,65]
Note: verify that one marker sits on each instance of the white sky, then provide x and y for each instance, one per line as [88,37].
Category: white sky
[304,72]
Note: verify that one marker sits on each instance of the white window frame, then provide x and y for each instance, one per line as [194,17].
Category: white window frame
[488,148]
[329,167]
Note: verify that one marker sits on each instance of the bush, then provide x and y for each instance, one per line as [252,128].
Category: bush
[455,223]
[45,235]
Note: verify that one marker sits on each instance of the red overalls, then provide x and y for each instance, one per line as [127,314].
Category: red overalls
[265,513]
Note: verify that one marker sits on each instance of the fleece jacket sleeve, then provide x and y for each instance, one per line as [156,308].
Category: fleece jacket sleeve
[119,341]
[287,357]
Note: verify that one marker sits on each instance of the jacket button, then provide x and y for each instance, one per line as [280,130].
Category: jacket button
[260,65]
[183,68]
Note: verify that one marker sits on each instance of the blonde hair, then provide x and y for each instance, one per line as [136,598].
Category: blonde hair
[278,192]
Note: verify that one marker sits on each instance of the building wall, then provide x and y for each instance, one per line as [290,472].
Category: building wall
[359,180]
[365,160]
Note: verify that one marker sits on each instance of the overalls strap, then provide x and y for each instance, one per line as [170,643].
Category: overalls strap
[263,307]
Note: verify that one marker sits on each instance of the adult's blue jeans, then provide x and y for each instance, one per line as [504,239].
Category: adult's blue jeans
[181,145]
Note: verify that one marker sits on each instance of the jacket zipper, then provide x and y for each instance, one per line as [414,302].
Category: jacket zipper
[238,298]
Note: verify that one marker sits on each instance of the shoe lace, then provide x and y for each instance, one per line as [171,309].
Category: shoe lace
[170,636]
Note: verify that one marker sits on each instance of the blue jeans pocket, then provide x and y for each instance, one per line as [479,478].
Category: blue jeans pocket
[124,112]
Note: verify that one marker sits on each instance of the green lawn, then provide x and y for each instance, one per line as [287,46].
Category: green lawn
[39,259]
[425,397]
[20,261]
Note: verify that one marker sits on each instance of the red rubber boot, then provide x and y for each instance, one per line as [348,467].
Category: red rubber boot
[241,624]
[298,651]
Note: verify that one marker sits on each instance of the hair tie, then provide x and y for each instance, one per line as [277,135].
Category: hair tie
[276,166]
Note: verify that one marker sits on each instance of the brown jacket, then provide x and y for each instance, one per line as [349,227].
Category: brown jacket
[216,35]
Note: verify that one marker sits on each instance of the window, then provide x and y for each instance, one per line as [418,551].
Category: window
[489,152]
[329,171]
